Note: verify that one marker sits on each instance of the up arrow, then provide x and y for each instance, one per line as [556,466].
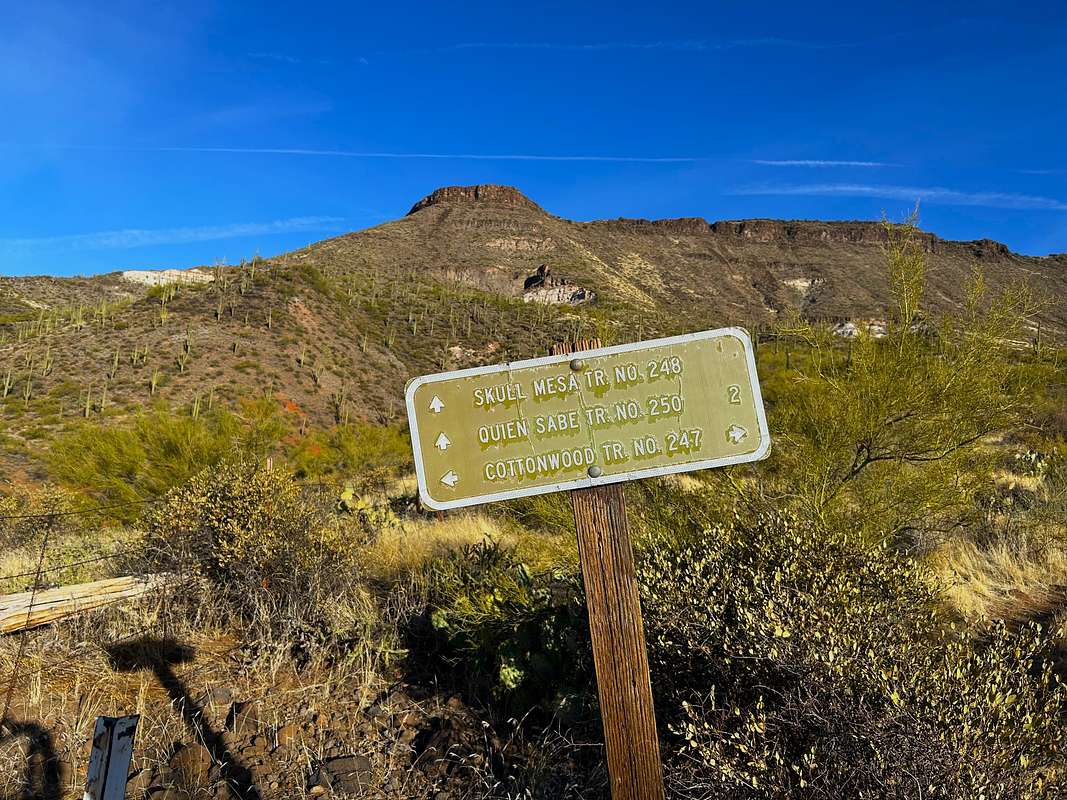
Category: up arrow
[450,479]
[735,433]
[436,405]
[442,442]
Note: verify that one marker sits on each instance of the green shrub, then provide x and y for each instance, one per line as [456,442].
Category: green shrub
[524,638]
[792,662]
[157,450]
[314,277]
[359,449]
[232,521]
[887,436]
[145,458]
[268,551]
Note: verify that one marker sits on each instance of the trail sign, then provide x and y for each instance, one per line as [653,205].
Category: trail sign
[575,421]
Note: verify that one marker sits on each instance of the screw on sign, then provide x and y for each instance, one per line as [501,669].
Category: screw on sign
[585,425]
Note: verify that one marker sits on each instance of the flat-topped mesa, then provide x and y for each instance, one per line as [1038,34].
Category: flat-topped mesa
[482,194]
[775,231]
[847,232]
[686,225]
[812,231]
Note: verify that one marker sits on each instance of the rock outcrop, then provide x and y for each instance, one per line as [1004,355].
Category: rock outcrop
[483,194]
[544,287]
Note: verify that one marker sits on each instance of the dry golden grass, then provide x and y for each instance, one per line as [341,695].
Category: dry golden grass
[410,548]
[74,557]
[1008,480]
[1000,582]
[65,679]
[685,482]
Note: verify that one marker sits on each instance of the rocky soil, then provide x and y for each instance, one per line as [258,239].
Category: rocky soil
[407,743]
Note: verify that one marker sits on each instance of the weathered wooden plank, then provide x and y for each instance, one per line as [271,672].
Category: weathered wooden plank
[25,610]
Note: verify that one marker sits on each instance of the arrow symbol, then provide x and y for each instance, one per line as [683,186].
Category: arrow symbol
[450,479]
[442,442]
[436,405]
[735,433]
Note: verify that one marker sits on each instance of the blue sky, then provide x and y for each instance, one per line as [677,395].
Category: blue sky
[166,135]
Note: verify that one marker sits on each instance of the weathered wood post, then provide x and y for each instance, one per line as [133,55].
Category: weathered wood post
[617,632]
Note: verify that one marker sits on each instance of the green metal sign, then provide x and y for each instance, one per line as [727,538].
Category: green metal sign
[600,416]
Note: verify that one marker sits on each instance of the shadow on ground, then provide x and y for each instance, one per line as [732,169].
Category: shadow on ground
[41,777]
[160,656]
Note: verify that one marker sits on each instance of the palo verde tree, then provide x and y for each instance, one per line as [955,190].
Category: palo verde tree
[886,436]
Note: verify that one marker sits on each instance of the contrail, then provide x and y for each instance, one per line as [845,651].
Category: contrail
[683,45]
[302,151]
[820,163]
[933,194]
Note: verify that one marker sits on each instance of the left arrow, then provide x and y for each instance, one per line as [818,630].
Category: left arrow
[436,405]
[442,442]
[450,479]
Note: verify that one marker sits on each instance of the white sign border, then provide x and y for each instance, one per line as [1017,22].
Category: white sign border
[586,482]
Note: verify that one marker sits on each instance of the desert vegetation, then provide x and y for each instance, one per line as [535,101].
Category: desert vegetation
[874,612]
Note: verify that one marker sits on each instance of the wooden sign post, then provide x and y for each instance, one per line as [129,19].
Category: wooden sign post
[584,419]
[620,657]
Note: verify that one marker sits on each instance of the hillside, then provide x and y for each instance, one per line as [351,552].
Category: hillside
[470,275]
[744,270]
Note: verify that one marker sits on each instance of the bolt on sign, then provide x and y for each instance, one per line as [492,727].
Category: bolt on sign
[580,420]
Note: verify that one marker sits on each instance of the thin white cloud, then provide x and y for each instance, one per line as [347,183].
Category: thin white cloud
[283,57]
[935,194]
[1042,171]
[701,45]
[301,151]
[807,162]
[684,45]
[129,238]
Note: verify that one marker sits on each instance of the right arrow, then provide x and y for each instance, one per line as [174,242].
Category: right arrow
[735,433]
[450,479]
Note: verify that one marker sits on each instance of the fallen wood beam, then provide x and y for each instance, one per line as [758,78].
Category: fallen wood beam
[25,610]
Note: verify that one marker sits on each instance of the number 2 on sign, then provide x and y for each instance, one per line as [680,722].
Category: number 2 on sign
[734,393]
